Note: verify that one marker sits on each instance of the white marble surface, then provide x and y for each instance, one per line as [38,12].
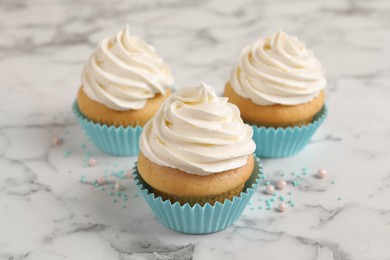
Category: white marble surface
[46,213]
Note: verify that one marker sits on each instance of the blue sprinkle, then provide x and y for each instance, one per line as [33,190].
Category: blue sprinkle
[281,198]
[293,173]
[83,145]
[113,200]
[110,193]
[123,206]
[67,153]
[289,193]
[272,199]
[333,182]
[267,183]
[259,207]
[296,183]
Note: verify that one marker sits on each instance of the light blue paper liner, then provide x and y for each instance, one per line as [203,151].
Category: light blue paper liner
[283,142]
[200,219]
[118,141]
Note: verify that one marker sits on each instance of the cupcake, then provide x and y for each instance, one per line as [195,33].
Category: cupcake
[278,86]
[196,155]
[124,83]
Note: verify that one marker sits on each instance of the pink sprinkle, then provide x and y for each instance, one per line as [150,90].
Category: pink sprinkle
[101,180]
[92,162]
[281,184]
[270,189]
[321,173]
[282,207]
[118,186]
[56,140]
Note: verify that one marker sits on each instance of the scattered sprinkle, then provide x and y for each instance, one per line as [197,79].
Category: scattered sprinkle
[67,153]
[91,162]
[270,189]
[321,173]
[56,140]
[281,198]
[281,207]
[296,183]
[101,180]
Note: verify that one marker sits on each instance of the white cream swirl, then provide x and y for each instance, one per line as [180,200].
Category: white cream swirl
[124,72]
[197,132]
[278,70]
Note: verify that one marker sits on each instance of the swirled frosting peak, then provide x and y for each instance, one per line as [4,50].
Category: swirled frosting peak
[124,72]
[278,70]
[197,132]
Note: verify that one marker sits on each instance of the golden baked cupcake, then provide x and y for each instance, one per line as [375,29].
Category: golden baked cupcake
[196,149]
[196,169]
[124,82]
[279,83]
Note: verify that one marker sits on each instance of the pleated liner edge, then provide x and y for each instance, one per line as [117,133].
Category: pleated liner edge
[118,141]
[283,142]
[200,219]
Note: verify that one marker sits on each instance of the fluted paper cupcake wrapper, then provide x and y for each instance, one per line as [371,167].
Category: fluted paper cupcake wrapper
[198,219]
[119,141]
[283,142]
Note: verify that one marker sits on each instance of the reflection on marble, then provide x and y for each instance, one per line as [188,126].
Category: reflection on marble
[47,213]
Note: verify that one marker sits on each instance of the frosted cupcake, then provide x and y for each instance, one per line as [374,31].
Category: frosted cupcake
[278,86]
[196,152]
[124,83]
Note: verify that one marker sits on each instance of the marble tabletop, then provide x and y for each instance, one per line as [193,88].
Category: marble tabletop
[49,207]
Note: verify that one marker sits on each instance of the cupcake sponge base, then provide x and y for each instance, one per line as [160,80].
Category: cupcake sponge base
[275,115]
[99,113]
[201,200]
